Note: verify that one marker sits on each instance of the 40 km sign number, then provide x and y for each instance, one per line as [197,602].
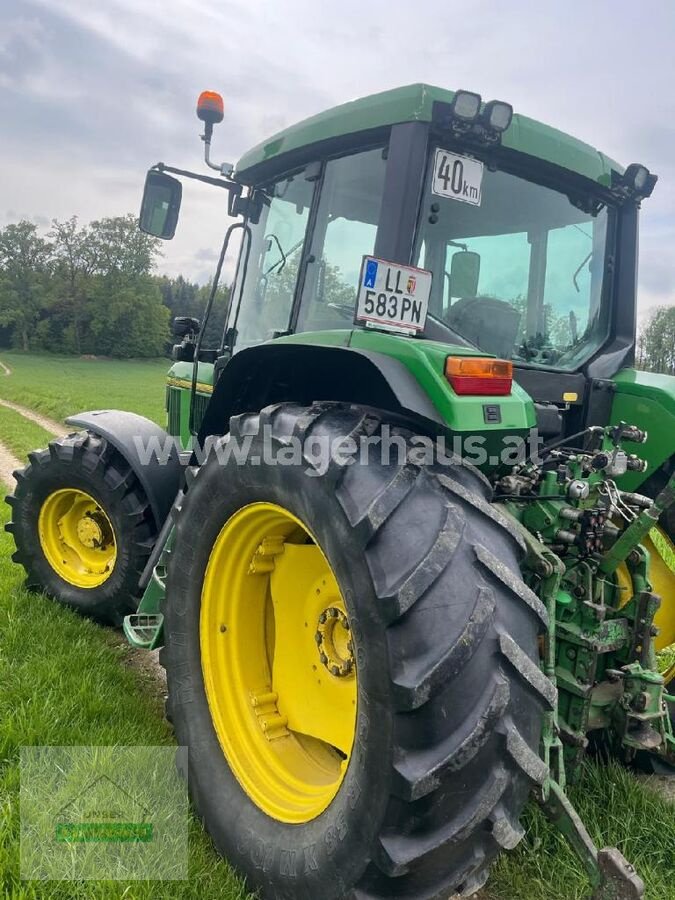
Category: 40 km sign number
[457,177]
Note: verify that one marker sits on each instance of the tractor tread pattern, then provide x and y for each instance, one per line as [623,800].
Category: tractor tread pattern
[107,470]
[438,845]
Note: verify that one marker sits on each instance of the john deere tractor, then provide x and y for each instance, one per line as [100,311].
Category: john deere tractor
[406,540]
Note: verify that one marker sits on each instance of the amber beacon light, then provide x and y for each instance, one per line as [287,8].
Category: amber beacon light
[210,107]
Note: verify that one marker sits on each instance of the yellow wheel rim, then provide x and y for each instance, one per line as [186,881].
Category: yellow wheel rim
[278,663]
[662,577]
[77,538]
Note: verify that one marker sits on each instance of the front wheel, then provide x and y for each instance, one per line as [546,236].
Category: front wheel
[351,661]
[82,526]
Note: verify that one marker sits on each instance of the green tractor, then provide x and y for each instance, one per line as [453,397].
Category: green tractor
[406,541]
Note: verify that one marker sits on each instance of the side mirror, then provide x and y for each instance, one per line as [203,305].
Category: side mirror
[464,274]
[161,204]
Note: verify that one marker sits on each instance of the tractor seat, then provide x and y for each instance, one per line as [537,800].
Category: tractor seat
[490,324]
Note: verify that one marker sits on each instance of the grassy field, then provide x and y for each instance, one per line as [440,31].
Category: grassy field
[67,681]
[61,385]
[19,435]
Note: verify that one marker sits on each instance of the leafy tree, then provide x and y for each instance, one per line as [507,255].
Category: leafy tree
[656,343]
[119,247]
[104,298]
[90,289]
[127,317]
[186,298]
[25,260]
[74,263]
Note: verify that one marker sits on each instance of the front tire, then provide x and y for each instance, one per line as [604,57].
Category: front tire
[82,526]
[450,693]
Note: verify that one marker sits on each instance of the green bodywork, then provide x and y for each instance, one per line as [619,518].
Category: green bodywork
[648,401]
[179,383]
[414,103]
[425,360]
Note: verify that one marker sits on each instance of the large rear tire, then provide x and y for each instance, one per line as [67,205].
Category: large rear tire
[82,526]
[445,642]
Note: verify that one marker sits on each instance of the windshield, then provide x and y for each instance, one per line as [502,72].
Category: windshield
[518,269]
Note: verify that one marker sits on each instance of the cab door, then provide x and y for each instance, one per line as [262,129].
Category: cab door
[261,306]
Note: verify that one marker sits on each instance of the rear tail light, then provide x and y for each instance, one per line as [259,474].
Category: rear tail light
[478,376]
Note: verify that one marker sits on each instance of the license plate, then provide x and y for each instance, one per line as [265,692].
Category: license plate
[457,177]
[392,297]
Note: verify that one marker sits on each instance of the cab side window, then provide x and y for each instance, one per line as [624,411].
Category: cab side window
[276,250]
[346,225]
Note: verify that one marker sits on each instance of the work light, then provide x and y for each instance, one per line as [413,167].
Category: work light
[497,115]
[640,179]
[465,106]
[636,181]
[637,176]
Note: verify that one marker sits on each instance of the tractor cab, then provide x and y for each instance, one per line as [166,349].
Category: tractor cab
[524,237]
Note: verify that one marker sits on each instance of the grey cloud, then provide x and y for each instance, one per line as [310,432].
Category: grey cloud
[92,94]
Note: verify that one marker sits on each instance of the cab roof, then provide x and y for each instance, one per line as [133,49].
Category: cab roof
[413,103]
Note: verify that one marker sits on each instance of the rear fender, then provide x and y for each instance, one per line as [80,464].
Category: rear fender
[279,372]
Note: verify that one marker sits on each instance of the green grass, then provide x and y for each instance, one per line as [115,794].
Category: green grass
[62,385]
[66,681]
[618,810]
[20,435]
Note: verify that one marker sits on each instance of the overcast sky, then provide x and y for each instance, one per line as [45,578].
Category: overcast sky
[91,93]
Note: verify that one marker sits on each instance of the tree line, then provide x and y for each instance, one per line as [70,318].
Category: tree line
[656,342]
[91,290]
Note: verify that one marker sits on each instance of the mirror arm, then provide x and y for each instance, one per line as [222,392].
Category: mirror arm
[231,186]
[207,179]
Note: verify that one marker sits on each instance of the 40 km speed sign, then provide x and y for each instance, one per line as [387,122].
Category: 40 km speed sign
[457,177]
[392,297]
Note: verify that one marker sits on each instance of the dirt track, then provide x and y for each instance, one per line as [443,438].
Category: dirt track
[8,462]
[56,428]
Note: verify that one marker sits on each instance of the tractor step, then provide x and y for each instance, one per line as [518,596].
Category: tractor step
[143,630]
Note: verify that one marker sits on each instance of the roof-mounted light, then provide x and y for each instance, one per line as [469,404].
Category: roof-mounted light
[640,179]
[497,115]
[465,106]
[637,182]
[470,120]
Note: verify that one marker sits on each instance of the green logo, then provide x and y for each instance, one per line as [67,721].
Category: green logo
[94,832]
[95,814]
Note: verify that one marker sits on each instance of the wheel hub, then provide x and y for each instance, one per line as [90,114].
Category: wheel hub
[334,642]
[91,530]
[77,538]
